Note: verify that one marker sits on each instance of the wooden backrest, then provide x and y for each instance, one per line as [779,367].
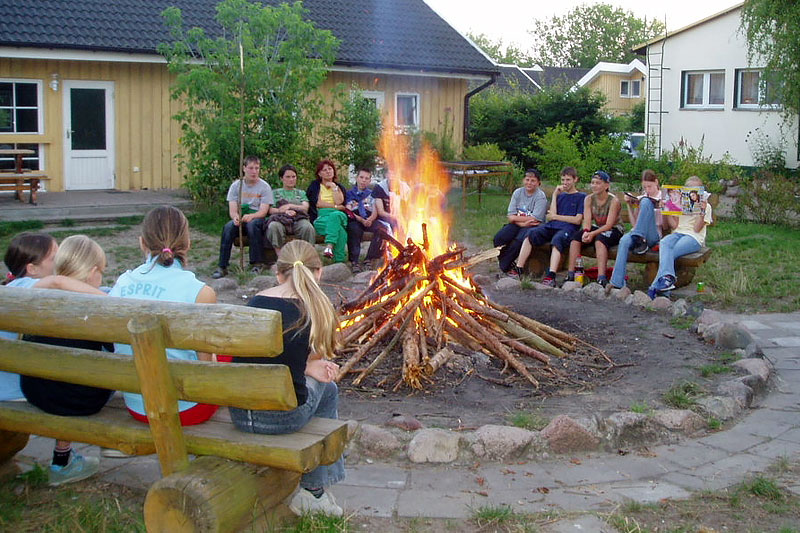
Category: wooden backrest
[150,327]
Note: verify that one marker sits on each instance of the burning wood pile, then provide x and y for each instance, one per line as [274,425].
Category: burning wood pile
[422,304]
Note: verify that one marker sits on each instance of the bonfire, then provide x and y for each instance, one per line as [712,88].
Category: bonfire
[423,306]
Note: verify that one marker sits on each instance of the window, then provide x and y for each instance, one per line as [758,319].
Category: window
[374,96]
[754,91]
[20,106]
[407,110]
[32,162]
[630,88]
[703,90]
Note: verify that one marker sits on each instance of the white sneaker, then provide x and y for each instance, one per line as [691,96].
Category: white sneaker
[114,453]
[305,502]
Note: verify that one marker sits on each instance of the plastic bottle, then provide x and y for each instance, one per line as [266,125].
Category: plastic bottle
[579,276]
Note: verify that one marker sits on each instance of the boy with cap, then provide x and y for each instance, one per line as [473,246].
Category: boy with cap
[601,225]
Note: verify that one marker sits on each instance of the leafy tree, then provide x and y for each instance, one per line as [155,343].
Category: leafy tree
[773,40]
[591,33]
[510,54]
[285,59]
[508,120]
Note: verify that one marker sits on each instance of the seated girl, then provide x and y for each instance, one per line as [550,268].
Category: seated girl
[309,339]
[688,236]
[165,243]
[326,209]
[82,259]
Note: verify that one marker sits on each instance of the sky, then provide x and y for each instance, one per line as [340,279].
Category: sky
[510,20]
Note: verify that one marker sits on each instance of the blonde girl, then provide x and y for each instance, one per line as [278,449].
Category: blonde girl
[309,340]
[81,259]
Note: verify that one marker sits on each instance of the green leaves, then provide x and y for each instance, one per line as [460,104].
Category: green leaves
[773,39]
[266,60]
[591,33]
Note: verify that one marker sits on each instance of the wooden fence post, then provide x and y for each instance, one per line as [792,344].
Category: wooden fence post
[160,396]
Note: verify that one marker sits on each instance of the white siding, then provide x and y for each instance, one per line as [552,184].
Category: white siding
[716,45]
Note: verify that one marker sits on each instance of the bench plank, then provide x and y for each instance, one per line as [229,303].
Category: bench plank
[249,386]
[220,328]
[113,427]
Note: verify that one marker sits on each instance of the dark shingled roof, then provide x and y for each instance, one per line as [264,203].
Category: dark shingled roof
[549,76]
[401,34]
[512,78]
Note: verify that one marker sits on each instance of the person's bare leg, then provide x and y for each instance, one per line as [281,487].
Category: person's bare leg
[524,253]
[601,252]
[574,252]
[555,260]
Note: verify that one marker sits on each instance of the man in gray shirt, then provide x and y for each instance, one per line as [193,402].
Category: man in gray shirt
[255,200]
[527,209]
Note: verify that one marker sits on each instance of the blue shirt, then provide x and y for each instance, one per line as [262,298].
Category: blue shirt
[9,383]
[569,205]
[152,281]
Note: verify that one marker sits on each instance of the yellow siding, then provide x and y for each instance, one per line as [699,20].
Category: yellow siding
[438,97]
[145,136]
[609,85]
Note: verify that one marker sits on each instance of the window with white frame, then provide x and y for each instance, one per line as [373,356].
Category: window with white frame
[754,91]
[630,88]
[377,97]
[406,110]
[703,90]
[20,106]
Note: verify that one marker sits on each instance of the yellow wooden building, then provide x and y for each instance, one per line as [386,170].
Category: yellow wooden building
[82,85]
[622,84]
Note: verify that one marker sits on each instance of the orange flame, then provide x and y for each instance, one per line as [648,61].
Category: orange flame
[419,189]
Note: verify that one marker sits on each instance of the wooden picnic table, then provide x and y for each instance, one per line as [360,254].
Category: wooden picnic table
[18,154]
[480,170]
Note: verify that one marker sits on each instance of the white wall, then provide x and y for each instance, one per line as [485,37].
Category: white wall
[715,45]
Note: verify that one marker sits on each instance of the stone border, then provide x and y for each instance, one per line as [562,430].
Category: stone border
[404,438]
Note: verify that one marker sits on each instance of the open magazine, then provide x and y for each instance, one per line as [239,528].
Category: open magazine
[680,200]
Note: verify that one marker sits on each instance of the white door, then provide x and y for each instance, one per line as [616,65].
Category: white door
[88,135]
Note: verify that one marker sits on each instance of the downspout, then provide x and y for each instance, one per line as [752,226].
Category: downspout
[469,95]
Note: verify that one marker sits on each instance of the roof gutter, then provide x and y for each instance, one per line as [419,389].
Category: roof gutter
[469,95]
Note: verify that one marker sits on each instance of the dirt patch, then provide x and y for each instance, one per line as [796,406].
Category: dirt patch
[650,357]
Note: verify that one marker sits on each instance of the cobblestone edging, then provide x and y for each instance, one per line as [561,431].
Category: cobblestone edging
[403,438]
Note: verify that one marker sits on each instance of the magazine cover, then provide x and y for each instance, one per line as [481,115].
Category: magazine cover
[680,200]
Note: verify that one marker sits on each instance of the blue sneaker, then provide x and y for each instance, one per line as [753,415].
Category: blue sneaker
[652,293]
[664,283]
[78,468]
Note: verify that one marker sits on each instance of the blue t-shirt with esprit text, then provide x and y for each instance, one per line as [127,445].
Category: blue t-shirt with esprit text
[152,281]
[568,205]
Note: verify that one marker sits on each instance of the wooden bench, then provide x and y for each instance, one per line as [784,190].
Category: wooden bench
[685,266]
[269,252]
[21,182]
[239,480]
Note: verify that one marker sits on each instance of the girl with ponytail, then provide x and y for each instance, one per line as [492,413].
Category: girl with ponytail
[309,340]
[165,244]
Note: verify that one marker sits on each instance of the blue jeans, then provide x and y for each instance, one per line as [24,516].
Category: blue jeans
[255,234]
[673,246]
[645,228]
[322,401]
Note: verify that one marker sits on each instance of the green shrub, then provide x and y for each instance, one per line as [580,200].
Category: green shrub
[769,199]
[444,141]
[484,152]
[557,148]
[354,130]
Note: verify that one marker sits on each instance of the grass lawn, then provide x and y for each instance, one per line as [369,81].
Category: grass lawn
[754,267]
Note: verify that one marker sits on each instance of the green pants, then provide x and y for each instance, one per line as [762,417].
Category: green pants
[332,224]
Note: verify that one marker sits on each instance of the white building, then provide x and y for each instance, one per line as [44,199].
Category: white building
[701,89]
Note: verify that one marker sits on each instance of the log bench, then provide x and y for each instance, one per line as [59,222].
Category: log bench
[238,480]
[21,182]
[685,266]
